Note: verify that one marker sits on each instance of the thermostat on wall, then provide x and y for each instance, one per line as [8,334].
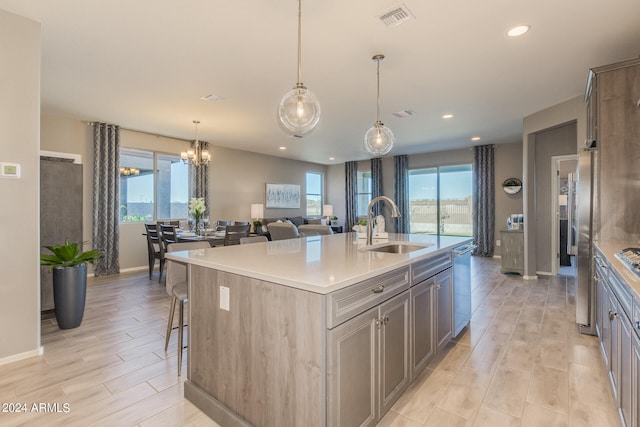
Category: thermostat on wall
[10,170]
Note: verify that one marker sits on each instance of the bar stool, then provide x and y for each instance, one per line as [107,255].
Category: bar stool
[176,286]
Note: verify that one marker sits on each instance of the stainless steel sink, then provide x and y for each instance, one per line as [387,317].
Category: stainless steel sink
[397,248]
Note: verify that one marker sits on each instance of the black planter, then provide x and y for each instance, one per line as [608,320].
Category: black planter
[69,295]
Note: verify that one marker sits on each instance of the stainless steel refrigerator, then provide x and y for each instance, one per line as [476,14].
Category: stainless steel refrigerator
[587,196]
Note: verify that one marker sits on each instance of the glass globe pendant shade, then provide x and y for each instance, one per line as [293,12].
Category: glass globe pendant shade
[299,111]
[379,139]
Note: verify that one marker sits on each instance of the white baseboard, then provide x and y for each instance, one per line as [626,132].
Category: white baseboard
[132,269]
[21,356]
[530,277]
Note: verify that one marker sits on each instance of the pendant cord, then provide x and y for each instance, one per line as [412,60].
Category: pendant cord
[378,109]
[299,42]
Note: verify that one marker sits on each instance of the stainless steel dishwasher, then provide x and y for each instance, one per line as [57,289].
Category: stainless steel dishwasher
[461,287]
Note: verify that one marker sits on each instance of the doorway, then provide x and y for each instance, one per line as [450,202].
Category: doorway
[563,204]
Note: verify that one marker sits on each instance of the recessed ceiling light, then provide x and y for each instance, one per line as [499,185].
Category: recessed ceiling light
[475,138]
[518,30]
[332,158]
[447,116]
[282,148]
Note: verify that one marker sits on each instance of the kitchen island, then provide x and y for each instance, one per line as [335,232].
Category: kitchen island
[314,331]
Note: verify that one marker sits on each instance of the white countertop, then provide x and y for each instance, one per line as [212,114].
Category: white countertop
[609,248]
[320,264]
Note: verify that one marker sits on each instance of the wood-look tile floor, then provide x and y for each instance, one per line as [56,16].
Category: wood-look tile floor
[521,362]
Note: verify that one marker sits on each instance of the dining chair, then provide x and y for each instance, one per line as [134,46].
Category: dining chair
[168,235]
[155,248]
[221,225]
[177,288]
[233,234]
[253,239]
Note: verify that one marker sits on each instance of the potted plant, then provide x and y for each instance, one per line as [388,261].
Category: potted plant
[69,266]
[361,226]
[257,226]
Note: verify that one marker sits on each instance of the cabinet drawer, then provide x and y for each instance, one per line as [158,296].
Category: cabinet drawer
[430,267]
[635,321]
[346,303]
[621,292]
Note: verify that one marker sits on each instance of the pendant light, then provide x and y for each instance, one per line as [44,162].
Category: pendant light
[196,155]
[379,139]
[299,109]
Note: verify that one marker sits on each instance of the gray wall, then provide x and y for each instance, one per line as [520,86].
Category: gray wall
[508,164]
[554,142]
[19,214]
[572,110]
[236,178]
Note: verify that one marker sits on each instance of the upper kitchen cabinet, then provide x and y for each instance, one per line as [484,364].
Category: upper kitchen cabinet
[613,109]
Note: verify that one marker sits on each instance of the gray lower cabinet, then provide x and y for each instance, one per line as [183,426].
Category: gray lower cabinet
[422,342]
[619,341]
[368,366]
[613,342]
[625,388]
[635,391]
[444,308]
[512,251]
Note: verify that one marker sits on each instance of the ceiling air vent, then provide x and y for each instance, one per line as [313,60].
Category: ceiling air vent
[404,113]
[210,98]
[397,15]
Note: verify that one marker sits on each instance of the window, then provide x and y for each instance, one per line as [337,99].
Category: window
[145,196]
[314,193]
[363,193]
[440,200]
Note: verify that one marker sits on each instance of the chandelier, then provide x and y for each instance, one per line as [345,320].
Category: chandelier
[196,155]
[129,171]
[379,139]
[299,109]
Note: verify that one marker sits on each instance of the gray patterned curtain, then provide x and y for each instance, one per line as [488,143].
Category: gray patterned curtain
[484,204]
[200,178]
[106,189]
[401,192]
[376,183]
[351,181]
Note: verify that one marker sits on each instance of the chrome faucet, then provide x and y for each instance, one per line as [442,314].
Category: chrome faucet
[394,214]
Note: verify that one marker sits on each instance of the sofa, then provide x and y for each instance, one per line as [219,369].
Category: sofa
[281,229]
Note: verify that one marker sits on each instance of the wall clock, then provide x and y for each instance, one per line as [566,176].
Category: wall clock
[512,185]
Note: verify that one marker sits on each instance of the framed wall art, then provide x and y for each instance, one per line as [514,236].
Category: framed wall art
[285,196]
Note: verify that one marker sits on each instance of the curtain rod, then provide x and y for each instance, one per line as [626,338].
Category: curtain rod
[147,133]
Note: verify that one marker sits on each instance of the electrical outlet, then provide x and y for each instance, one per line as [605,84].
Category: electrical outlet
[497,242]
[224,298]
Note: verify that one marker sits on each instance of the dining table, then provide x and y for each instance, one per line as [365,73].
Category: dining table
[215,238]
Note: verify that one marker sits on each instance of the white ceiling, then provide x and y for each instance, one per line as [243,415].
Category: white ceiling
[145,64]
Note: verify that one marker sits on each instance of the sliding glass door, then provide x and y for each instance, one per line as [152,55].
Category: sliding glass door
[440,200]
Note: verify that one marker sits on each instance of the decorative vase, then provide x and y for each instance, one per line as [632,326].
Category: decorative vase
[69,295]
[196,224]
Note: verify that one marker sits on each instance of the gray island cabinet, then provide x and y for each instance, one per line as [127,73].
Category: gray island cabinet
[316,331]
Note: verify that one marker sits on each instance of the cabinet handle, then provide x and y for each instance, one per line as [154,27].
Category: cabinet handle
[612,315]
[385,320]
[637,324]
[379,323]
[378,290]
